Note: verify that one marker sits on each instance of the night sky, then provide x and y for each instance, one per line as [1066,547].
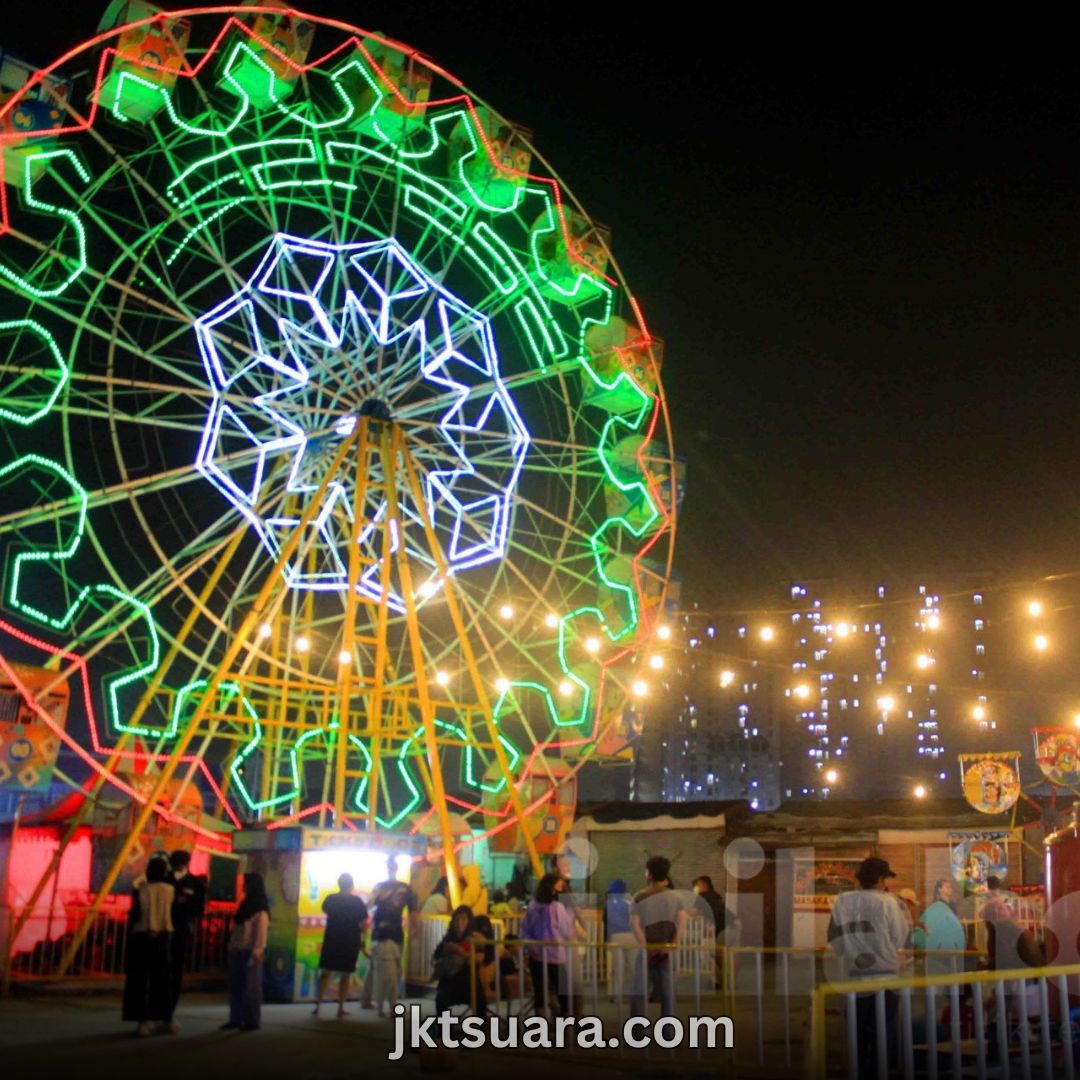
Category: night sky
[864,268]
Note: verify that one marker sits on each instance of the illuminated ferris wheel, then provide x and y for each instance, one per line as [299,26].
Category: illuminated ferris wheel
[337,476]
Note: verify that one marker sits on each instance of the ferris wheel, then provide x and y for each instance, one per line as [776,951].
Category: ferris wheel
[336,476]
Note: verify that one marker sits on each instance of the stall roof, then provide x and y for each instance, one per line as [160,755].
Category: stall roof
[841,817]
[704,814]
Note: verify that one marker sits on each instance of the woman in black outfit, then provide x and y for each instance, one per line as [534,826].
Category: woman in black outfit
[453,968]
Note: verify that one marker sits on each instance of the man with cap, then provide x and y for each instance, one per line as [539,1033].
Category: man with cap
[868,931]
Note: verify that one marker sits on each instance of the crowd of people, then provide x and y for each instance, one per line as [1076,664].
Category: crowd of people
[643,928]
[876,934]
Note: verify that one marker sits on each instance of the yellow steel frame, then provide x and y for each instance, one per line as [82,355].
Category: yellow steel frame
[296,704]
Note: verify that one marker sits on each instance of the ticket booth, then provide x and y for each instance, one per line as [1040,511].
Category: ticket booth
[300,866]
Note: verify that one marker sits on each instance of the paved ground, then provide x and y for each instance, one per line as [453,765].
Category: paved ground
[82,1036]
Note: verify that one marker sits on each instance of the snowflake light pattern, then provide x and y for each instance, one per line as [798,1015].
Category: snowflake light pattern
[321,334]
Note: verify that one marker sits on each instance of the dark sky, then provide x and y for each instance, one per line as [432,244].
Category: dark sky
[863,262]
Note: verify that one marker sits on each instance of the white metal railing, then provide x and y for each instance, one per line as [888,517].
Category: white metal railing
[1018,1024]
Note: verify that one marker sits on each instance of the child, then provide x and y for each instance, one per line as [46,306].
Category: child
[385,969]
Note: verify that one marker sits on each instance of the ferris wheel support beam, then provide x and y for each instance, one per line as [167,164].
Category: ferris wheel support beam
[250,620]
[450,585]
[348,630]
[389,444]
[375,699]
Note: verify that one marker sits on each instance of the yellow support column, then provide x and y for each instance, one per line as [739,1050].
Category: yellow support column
[209,696]
[348,629]
[427,711]
[470,657]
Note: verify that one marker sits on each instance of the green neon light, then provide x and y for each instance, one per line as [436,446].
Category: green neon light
[59,380]
[58,556]
[68,216]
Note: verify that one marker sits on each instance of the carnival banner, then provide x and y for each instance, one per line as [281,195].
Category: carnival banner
[1057,750]
[991,781]
[28,744]
[975,857]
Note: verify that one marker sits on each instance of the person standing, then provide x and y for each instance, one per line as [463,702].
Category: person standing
[247,946]
[386,971]
[189,902]
[939,930]
[868,931]
[547,920]
[658,918]
[346,919]
[389,900]
[619,934]
[438,900]
[147,986]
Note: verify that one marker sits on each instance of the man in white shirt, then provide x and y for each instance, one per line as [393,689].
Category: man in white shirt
[868,931]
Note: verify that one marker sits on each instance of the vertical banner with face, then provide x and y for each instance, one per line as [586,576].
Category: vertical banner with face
[991,781]
[1057,750]
[975,857]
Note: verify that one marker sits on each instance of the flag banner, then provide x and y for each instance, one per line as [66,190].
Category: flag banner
[991,781]
[1057,750]
[975,857]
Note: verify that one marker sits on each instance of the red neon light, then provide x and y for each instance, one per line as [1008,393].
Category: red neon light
[79,664]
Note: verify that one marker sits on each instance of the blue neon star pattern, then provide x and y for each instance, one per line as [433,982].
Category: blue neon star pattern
[320,334]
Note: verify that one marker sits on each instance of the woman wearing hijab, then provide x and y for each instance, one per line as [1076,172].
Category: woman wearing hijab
[246,948]
[148,996]
[453,967]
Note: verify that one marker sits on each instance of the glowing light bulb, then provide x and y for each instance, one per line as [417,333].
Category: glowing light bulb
[302,644]
[265,631]
[919,791]
[933,622]
[766,633]
[656,662]
[727,678]
[802,691]
[429,588]
[663,632]
[506,613]
[978,713]
[639,688]
[922,661]
[1076,720]
[502,684]
[344,657]
[551,621]
[831,776]
[442,678]
[886,703]
[592,645]
[1041,642]
[566,688]
[1034,609]
[842,630]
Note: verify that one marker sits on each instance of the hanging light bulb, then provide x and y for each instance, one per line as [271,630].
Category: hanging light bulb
[344,657]
[442,678]
[502,684]
[302,644]
[506,612]
[265,630]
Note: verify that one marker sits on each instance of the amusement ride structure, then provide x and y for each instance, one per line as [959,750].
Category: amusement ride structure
[337,480]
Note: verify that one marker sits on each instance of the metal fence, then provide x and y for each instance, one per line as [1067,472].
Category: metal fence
[105,948]
[1012,1024]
